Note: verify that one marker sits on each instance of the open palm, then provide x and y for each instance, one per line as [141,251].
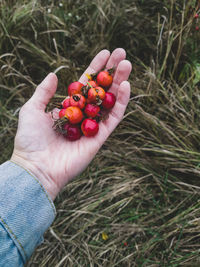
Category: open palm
[48,155]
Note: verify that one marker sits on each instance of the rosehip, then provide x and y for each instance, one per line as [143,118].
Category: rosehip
[109,100]
[104,78]
[89,127]
[92,95]
[74,88]
[73,132]
[91,110]
[77,100]
[96,94]
[74,115]
[92,84]
[101,92]
[62,113]
[66,102]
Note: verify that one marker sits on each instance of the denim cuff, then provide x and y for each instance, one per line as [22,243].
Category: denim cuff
[26,209]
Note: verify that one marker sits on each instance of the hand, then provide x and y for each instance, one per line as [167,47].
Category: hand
[48,155]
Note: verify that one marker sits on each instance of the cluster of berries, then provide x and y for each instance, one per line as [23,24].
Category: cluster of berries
[85,106]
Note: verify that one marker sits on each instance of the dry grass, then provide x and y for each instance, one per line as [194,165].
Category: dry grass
[143,186]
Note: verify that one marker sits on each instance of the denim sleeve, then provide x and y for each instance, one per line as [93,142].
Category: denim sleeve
[26,212]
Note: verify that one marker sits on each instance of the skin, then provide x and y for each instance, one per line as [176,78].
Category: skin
[48,155]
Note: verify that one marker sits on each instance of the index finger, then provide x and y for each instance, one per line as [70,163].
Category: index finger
[98,62]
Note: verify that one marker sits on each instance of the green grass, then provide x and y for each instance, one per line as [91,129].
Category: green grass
[143,186]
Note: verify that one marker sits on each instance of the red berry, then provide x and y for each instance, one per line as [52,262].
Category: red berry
[196,16]
[95,94]
[91,110]
[104,78]
[89,127]
[74,115]
[66,102]
[73,132]
[101,92]
[109,100]
[77,100]
[62,113]
[92,95]
[197,28]
[74,88]
[92,84]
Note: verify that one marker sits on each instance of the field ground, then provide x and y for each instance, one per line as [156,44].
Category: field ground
[142,189]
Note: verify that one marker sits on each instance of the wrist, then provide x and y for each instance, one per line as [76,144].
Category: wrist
[34,169]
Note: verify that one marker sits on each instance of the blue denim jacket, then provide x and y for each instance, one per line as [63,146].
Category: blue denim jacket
[26,212]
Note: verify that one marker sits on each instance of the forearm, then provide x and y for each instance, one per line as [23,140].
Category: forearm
[26,212]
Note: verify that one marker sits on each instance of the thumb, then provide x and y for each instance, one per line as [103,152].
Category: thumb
[45,91]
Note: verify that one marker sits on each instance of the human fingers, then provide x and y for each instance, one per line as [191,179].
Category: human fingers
[116,114]
[122,73]
[44,92]
[98,62]
[116,57]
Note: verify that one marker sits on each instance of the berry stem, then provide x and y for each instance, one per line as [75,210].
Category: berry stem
[89,84]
